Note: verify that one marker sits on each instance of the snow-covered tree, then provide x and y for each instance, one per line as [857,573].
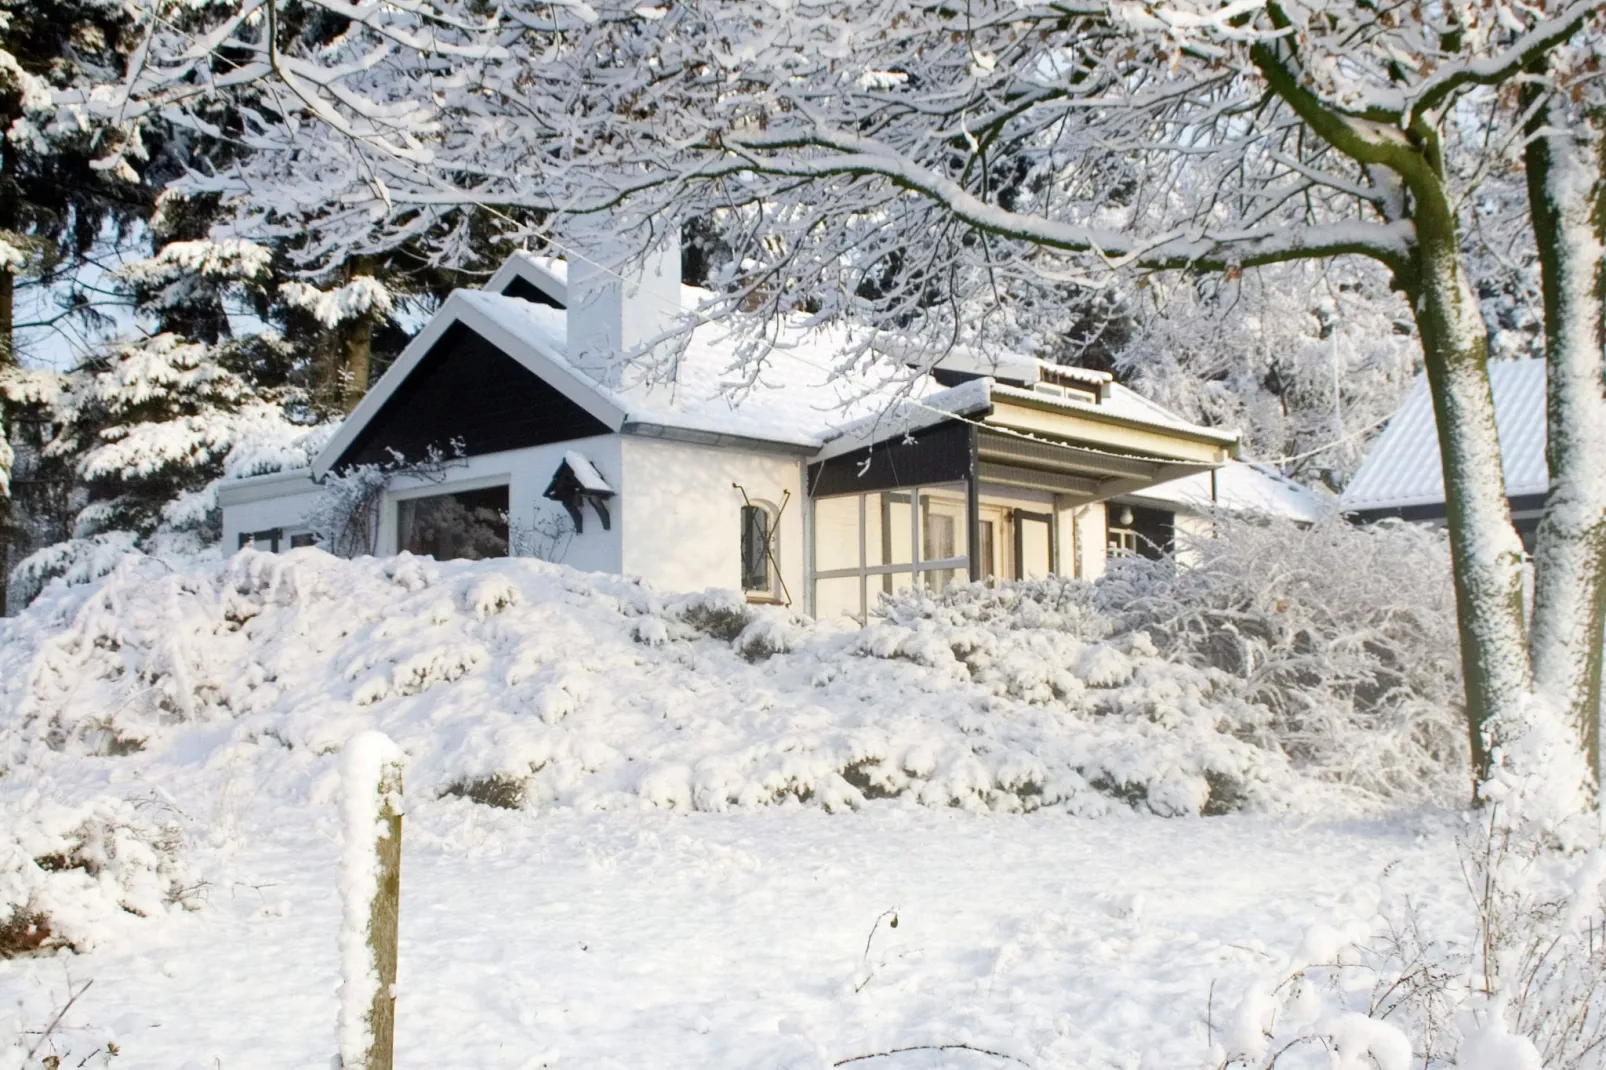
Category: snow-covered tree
[942,172]
[148,427]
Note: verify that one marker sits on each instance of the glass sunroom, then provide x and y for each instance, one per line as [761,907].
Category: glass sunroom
[1009,490]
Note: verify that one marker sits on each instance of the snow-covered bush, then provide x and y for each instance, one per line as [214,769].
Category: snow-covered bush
[1525,991]
[517,682]
[1332,645]
[70,872]
[74,561]
[1340,640]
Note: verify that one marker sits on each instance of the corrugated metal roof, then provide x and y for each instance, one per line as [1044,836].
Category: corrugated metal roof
[1403,470]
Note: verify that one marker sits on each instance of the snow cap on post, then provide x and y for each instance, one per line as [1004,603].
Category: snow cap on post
[370,872]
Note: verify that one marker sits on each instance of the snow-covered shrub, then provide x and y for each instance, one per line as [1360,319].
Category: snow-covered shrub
[67,873]
[73,562]
[1330,644]
[1341,640]
[520,682]
[345,516]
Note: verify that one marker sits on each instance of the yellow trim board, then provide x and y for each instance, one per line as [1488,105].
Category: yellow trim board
[1112,432]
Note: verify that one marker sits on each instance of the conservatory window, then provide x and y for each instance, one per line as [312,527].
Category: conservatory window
[469,525]
[867,545]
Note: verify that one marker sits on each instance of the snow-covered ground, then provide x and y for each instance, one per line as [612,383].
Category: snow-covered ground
[666,940]
[708,818]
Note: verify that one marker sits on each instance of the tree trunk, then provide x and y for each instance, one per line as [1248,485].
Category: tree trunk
[1486,554]
[1567,203]
[357,345]
[8,352]
[358,351]
[8,307]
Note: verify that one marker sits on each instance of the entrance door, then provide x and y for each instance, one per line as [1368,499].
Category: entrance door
[1034,544]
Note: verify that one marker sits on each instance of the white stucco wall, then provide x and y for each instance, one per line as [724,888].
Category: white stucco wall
[682,517]
[1190,529]
[261,503]
[527,473]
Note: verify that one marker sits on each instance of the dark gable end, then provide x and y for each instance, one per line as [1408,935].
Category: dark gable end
[525,290]
[466,388]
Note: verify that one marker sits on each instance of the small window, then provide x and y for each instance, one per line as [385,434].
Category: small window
[303,538]
[758,551]
[266,541]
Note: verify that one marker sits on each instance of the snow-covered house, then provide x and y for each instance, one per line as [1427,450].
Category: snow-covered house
[1401,476]
[795,484]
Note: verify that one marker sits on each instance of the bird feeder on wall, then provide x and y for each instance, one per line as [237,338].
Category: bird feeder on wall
[577,483]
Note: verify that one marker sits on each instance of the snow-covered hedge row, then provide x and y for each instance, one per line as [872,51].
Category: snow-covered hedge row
[520,683]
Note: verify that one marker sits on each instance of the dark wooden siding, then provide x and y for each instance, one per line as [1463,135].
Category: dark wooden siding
[465,388]
[939,454]
[526,290]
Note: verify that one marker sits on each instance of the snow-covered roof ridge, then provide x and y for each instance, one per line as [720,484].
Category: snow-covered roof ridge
[1402,469]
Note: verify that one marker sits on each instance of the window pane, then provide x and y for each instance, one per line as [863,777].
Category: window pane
[942,527]
[888,529]
[470,524]
[836,533]
[938,579]
[989,549]
[837,598]
[755,544]
[886,584]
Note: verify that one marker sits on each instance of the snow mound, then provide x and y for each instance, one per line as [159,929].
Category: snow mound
[71,873]
[520,683]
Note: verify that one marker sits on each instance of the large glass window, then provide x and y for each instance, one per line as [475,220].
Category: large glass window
[470,524]
[866,545]
[836,533]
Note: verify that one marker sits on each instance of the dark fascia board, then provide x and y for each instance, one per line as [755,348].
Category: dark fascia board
[1521,504]
[457,310]
[939,453]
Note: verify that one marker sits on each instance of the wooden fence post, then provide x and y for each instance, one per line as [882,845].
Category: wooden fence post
[370,888]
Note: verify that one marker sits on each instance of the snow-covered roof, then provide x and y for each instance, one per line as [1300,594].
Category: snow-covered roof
[1124,404]
[586,472]
[1241,487]
[796,399]
[1402,469]
[699,383]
